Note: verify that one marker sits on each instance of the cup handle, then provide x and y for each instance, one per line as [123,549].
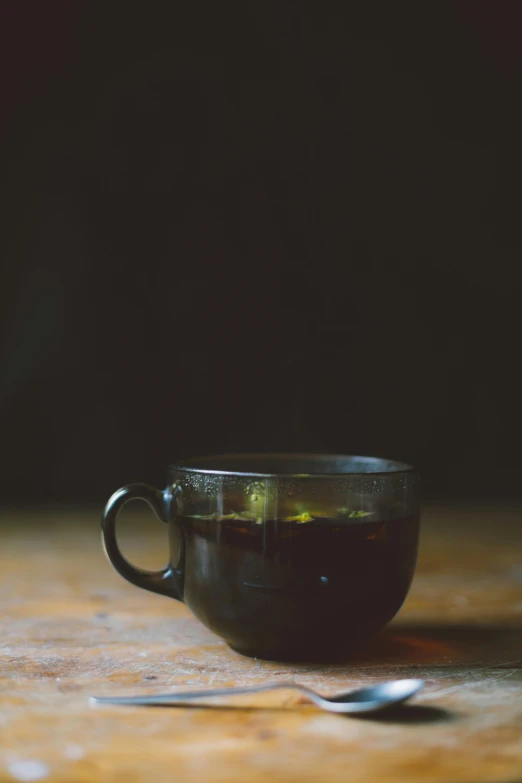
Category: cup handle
[163,582]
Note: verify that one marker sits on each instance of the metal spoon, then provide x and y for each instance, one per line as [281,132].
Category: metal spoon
[371,699]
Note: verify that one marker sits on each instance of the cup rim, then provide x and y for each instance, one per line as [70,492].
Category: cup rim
[193,465]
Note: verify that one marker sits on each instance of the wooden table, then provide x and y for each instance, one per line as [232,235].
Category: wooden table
[71,628]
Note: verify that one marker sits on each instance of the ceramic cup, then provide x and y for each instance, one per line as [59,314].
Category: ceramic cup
[284,556]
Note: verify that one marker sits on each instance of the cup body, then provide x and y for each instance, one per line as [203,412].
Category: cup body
[288,558]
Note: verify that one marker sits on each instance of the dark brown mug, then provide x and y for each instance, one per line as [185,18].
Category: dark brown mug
[285,556]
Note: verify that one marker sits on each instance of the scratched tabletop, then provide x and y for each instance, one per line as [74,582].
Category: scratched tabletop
[71,628]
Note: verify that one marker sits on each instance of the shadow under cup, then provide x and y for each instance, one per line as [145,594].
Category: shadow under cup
[286,557]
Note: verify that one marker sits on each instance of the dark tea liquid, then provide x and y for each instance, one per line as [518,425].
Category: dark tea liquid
[297,589]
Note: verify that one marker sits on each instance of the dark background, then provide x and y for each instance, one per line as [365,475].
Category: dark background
[261,226]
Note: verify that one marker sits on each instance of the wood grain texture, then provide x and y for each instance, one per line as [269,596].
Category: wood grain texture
[72,628]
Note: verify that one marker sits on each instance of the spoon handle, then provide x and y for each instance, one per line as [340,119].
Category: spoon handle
[175,698]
